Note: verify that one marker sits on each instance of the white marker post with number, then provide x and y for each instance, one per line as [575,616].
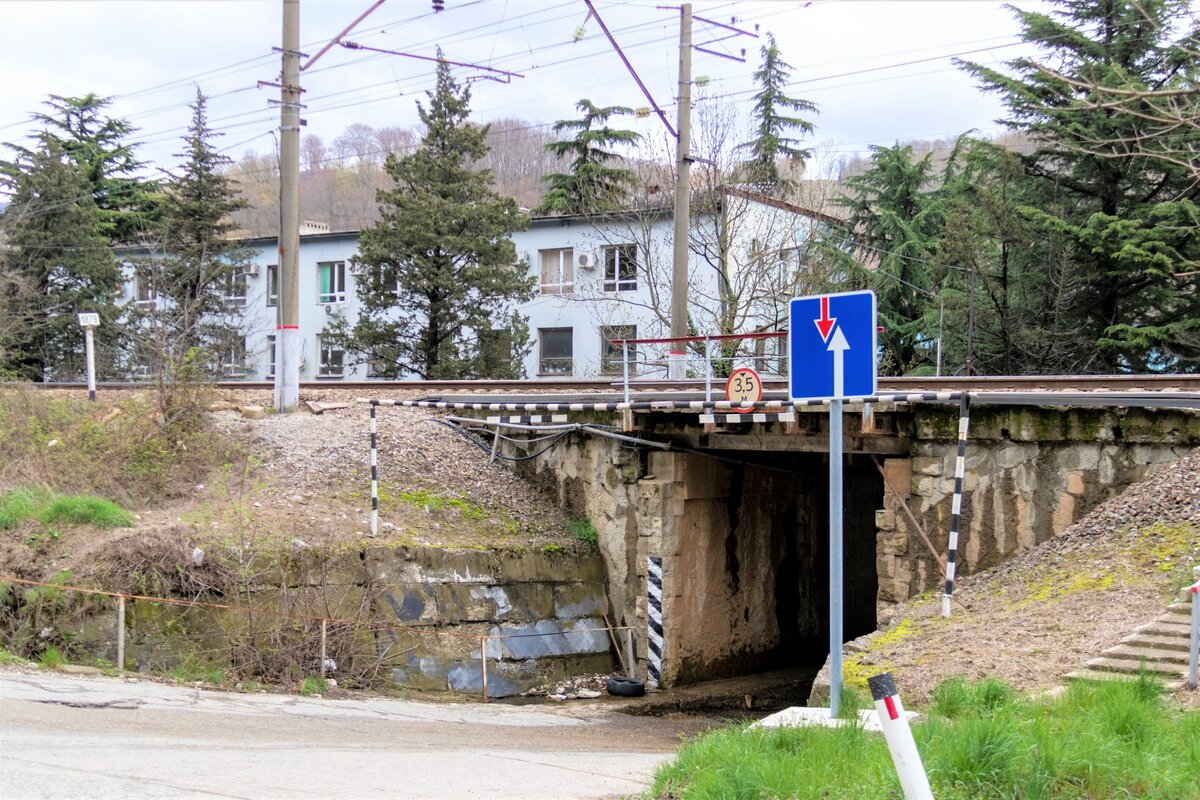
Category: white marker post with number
[831,356]
[90,320]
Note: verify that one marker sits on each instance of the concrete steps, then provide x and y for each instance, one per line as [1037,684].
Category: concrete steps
[1159,648]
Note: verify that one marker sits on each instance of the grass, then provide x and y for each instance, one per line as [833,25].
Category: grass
[195,672]
[310,687]
[8,657]
[51,658]
[49,508]
[1114,739]
[583,530]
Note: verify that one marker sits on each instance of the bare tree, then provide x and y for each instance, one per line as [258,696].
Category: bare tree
[313,153]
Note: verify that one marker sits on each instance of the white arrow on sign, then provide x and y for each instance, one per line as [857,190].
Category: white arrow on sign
[838,346]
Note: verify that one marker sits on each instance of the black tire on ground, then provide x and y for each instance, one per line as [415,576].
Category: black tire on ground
[625,687]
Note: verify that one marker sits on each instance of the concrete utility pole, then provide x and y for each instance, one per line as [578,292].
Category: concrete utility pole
[677,359]
[287,333]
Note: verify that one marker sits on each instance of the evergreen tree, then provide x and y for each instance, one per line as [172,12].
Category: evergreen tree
[441,275]
[771,123]
[595,182]
[99,145]
[54,249]
[897,222]
[190,322]
[1130,218]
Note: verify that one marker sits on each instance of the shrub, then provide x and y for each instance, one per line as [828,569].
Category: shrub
[313,686]
[583,530]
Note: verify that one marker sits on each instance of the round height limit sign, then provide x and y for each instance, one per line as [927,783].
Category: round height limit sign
[744,386]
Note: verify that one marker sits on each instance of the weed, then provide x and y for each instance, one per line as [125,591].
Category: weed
[850,702]
[8,657]
[193,671]
[51,658]
[552,548]
[85,510]
[583,530]
[17,506]
[313,686]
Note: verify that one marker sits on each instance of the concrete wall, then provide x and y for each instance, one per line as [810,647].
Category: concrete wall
[441,601]
[1030,473]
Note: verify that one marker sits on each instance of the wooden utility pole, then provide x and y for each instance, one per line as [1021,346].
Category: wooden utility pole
[287,328]
[679,265]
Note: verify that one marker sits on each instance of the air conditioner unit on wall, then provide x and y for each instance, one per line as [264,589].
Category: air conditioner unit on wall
[250,269]
[355,269]
[587,260]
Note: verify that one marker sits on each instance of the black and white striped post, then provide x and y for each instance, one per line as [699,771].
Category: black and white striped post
[654,638]
[892,720]
[960,468]
[374,476]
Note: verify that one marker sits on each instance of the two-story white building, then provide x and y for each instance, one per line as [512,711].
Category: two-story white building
[599,279]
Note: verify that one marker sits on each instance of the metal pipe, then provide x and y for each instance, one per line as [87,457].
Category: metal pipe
[374,476]
[324,657]
[483,665]
[708,370]
[625,367]
[835,555]
[121,633]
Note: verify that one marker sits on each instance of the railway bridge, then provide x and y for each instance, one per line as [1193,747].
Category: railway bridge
[733,498]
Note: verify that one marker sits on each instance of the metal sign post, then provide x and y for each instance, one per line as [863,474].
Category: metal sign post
[90,320]
[832,356]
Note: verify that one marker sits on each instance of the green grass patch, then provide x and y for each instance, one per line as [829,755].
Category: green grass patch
[313,686]
[1114,739]
[198,672]
[9,658]
[433,503]
[51,658]
[49,508]
[583,530]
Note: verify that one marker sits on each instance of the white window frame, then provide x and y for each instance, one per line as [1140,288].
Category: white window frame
[271,355]
[563,271]
[615,257]
[337,282]
[233,358]
[611,357]
[325,366]
[233,282]
[272,285]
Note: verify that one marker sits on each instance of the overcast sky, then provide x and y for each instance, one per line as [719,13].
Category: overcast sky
[149,55]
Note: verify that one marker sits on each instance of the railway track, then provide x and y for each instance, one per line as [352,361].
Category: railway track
[1022,383]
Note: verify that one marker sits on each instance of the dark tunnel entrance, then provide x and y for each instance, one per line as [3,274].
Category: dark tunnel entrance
[756,565]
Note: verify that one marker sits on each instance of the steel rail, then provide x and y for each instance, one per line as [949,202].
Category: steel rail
[1019,383]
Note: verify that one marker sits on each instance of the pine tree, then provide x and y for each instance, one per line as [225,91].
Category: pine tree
[441,275]
[595,183]
[772,126]
[1130,218]
[897,222]
[54,248]
[99,145]
[197,265]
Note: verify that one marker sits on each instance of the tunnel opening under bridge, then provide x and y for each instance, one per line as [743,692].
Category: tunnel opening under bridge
[752,572]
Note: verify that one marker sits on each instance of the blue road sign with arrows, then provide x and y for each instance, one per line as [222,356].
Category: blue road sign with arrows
[832,346]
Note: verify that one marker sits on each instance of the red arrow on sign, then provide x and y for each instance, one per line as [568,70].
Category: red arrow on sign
[825,323]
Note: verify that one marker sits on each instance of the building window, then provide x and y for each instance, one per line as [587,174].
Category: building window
[611,358]
[235,288]
[333,281]
[620,268]
[555,354]
[233,357]
[272,285]
[145,291]
[271,351]
[332,358]
[558,271]
[495,350]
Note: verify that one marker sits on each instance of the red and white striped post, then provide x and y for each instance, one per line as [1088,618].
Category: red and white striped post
[898,734]
[1194,640]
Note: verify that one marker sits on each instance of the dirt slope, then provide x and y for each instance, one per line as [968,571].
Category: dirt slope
[1038,617]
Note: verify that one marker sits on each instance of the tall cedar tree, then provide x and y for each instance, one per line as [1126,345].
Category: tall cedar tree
[100,146]
[771,141]
[1131,219]
[54,244]
[441,276]
[1006,285]
[595,182]
[898,224]
[192,323]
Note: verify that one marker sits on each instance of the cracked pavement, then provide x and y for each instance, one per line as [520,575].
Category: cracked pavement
[68,736]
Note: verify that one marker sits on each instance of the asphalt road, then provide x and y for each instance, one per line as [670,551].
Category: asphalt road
[67,736]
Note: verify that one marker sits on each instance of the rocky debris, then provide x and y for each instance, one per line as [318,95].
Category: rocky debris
[253,412]
[579,687]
